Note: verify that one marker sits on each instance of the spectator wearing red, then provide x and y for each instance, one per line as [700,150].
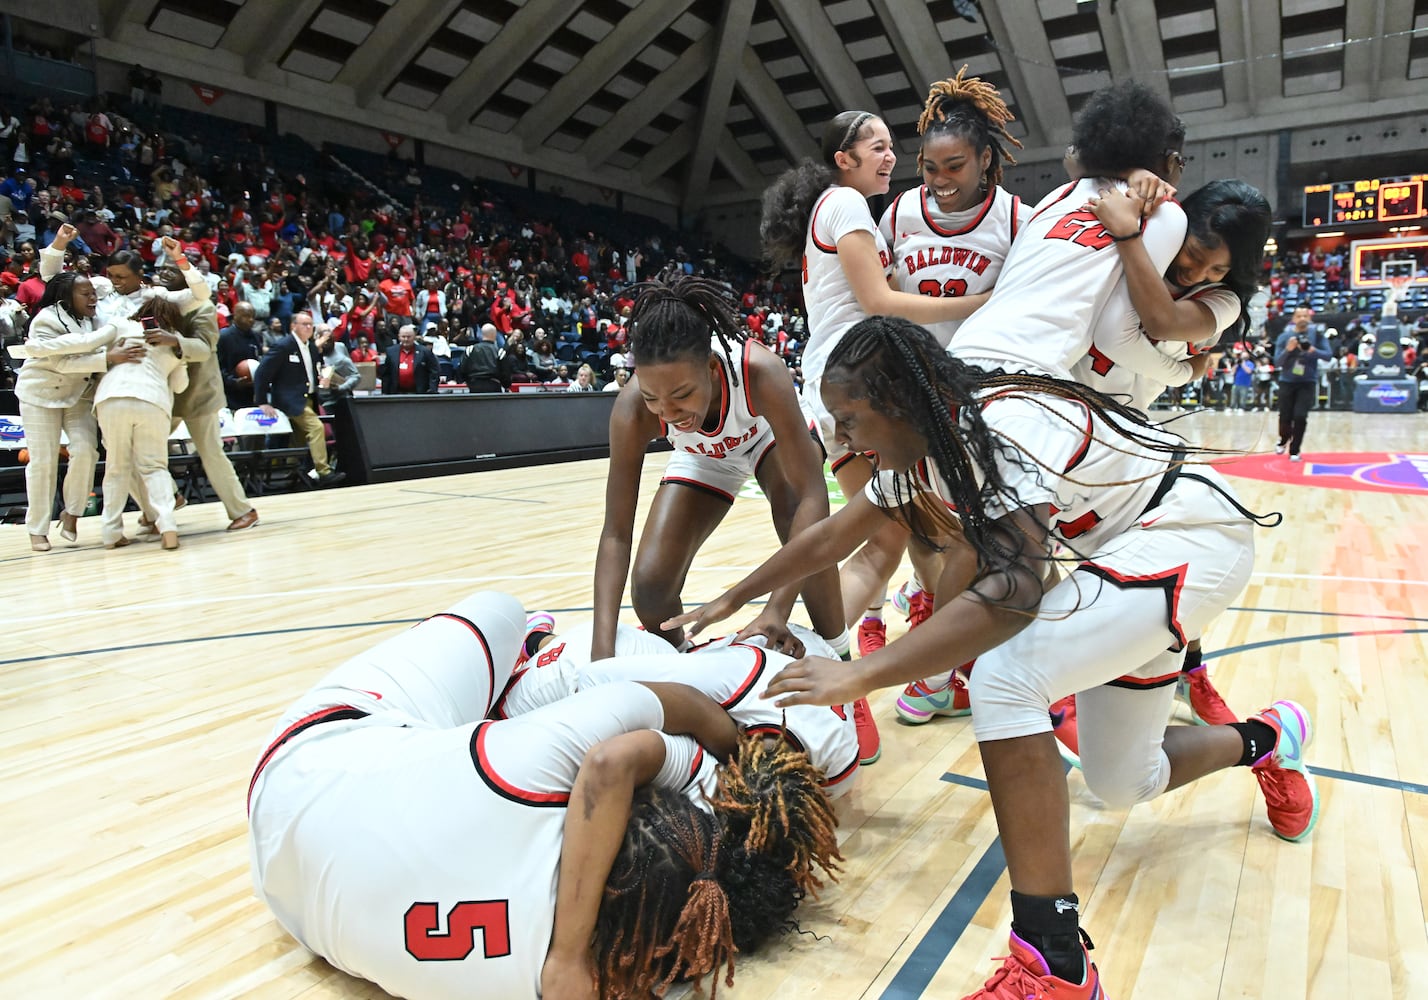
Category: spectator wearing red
[398,292]
[409,367]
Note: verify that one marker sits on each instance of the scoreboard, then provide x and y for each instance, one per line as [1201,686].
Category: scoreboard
[1383,200]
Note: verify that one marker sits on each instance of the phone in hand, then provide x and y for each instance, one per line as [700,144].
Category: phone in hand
[149,323]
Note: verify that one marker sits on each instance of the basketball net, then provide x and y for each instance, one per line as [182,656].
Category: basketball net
[1397,288]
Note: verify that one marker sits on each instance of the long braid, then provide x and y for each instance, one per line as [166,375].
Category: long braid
[675,314]
[971,107]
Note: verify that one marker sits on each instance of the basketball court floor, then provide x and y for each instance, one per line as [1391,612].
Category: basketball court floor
[139,686]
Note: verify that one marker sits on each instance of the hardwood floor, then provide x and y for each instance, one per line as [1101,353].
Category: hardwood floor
[140,684]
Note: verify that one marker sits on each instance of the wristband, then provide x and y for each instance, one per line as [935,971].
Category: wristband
[1122,239]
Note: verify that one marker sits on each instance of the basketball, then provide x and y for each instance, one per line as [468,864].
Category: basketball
[248,368]
[24,456]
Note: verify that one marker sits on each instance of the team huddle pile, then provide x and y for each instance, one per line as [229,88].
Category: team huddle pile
[976,374]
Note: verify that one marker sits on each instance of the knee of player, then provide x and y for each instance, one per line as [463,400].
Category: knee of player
[1117,785]
[652,592]
[1001,687]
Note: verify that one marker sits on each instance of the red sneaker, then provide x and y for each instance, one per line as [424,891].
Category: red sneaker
[1024,975]
[872,636]
[919,609]
[1063,724]
[1207,708]
[536,622]
[870,744]
[919,703]
[1290,797]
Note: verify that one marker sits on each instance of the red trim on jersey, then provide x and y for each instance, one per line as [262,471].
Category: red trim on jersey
[813,226]
[835,466]
[694,767]
[744,367]
[758,462]
[485,648]
[760,658]
[843,775]
[1016,211]
[695,484]
[1060,197]
[892,214]
[334,713]
[1171,581]
[503,787]
[1144,683]
[718,431]
[1080,455]
[976,221]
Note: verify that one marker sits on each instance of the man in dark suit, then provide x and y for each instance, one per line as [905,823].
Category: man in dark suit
[287,380]
[242,341]
[408,366]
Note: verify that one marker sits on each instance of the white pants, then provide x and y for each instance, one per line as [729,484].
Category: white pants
[1117,645]
[42,438]
[136,435]
[208,443]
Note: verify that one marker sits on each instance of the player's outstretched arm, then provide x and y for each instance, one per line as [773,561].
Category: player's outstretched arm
[1001,604]
[825,544]
[692,713]
[595,822]
[858,255]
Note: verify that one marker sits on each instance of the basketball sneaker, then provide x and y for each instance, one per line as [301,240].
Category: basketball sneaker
[872,636]
[1290,797]
[902,600]
[1207,708]
[1063,726]
[919,609]
[1024,975]
[870,744]
[538,623]
[920,703]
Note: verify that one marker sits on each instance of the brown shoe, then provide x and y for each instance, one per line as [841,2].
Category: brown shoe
[170,540]
[180,501]
[244,520]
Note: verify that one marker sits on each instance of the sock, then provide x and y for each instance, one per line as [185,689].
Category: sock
[842,644]
[873,614]
[1192,661]
[1259,738]
[534,640]
[1051,925]
[913,584]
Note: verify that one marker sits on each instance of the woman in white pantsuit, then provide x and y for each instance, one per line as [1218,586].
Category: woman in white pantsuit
[135,404]
[64,351]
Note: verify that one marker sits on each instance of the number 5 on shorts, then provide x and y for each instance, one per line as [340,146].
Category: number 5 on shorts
[489,916]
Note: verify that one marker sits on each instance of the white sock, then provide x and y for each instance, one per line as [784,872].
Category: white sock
[876,614]
[913,584]
[842,644]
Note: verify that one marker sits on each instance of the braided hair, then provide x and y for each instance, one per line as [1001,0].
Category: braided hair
[675,314]
[59,291]
[788,202]
[904,373]
[970,108]
[664,916]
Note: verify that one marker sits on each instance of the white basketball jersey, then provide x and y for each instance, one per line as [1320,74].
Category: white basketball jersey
[1140,388]
[740,425]
[935,253]
[832,307]
[1095,481]
[1061,278]
[735,675]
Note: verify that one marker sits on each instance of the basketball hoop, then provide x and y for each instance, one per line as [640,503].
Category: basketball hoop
[1397,288]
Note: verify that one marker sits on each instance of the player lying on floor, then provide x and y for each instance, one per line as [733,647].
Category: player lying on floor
[408,841]
[733,674]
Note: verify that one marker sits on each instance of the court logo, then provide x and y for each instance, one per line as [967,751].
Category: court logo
[1385,472]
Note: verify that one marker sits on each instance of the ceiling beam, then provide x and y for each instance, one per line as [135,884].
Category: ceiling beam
[658,161]
[649,103]
[1370,63]
[1230,26]
[767,101]
[260,37]
[818,42]
[636,30]
[113,13]
[1133,44]
[916,40]
[1017,30]
[523,36]
[1263,50]
[741,167]
[403,31]
[732,33]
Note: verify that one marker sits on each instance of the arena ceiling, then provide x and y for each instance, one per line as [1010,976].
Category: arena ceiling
[698,102]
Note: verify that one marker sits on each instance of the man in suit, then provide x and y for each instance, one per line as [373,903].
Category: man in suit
[287,380]
[197,406]
[409,367]
[242,341]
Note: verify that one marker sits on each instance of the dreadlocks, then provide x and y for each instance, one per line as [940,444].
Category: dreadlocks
[664,916]
[902,371]
[971,108]
[674,316]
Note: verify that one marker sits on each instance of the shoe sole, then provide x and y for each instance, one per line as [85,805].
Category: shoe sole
[1068,755]
[910,716]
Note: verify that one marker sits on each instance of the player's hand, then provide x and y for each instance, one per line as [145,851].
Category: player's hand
[702,617]
[126,352]
[64,237]
[268,411]
[816,680]
[568,978]
[1118,211]
[775,630]
[1153,190]
[161,338]
[1199,365]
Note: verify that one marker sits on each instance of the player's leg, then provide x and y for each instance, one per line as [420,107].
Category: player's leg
[82,429]
[444,671]
[1301,399]
[865,574]
[945,692]
[822,596]
[683,515]
[117,423]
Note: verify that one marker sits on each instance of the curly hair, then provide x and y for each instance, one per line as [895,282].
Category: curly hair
[1232,214]
[1125,125]
[970,108]
[901,370]
[664,916]
[674,316]
[788,201]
